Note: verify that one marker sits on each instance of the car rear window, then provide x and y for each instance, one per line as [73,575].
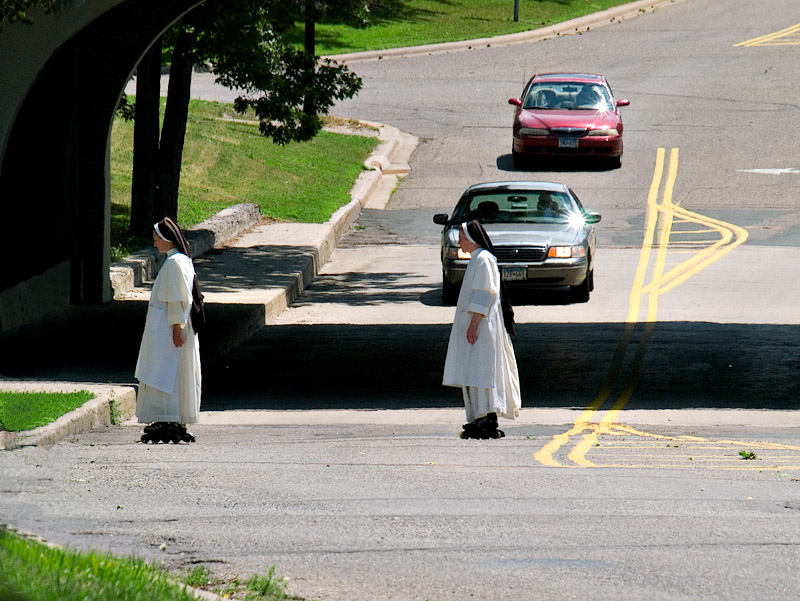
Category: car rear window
[530,206]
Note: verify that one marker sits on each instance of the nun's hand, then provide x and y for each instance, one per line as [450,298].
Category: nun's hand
[177,335]
[472,330]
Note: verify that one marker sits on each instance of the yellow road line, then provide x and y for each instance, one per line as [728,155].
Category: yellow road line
[765,40]
[661,281]
[708,256]
[647,244]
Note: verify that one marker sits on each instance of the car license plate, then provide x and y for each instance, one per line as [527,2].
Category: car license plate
[568,142]
[511,274]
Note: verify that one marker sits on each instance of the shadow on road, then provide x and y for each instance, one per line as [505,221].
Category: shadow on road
[684,364]
[505,162]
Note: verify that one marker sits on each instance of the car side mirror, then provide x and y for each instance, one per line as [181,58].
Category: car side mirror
[623,102]
[515,101]
[592,218]
[441,218]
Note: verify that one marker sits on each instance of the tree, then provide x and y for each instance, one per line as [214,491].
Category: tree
[245,43]
[352,12]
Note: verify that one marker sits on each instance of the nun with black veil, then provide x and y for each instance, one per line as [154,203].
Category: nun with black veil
[480,357]
[168,367]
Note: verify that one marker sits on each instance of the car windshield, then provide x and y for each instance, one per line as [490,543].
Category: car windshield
[568,95]
[529,206]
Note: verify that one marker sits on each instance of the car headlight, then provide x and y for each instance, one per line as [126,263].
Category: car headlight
[532,131]
[604,132]
[566,252]
[455,252]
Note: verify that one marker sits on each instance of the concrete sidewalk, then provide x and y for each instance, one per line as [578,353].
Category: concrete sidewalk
[250,270]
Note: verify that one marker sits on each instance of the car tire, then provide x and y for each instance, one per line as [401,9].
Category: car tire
[615,162]
[582,292]
[449,292]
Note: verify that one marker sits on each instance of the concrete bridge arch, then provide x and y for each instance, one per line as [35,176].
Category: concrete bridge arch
[60,82]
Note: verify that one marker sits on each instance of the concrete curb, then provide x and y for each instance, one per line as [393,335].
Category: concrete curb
[391,154]
[579,25]
[214,232]
[119,400]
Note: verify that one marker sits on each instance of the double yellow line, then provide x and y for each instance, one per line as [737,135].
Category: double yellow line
[785,37]
[671,229]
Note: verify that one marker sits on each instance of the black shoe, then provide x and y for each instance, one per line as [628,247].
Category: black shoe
[482,434]
[487,422]
[156,427]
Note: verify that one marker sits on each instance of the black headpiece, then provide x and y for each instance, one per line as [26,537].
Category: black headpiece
[478,235]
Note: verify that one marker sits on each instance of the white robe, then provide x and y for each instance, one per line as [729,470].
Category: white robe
[489,365]
[169,376]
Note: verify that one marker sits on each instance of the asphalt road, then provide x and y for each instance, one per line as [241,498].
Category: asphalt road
[622,479]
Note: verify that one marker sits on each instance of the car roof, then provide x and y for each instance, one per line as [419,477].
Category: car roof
[582,77]
[518,185]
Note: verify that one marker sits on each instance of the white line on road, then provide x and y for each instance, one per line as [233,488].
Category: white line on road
[777,171]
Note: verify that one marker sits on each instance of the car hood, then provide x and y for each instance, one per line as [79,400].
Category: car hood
[568,118]
[516,234]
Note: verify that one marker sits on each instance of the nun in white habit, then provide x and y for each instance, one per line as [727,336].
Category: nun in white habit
[168,368]
[480,358]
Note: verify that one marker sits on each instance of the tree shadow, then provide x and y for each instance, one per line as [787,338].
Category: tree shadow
[385,12]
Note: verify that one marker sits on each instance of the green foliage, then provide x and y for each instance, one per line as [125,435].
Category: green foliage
[259,587]
[242,39]
[748,455]
[16,11]
[280,112]
[198,577]
[28,410]
[126,109]
[114,414]
[267,586]
[33,571]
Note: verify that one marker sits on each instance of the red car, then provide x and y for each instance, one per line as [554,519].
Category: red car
[567,114]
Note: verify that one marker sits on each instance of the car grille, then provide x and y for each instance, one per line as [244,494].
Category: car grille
[570,131]
[525,254]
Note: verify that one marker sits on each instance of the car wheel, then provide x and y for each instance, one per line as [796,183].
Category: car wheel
[449,292]
[615,162]
[581,293]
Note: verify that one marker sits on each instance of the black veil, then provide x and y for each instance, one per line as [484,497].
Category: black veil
[480,237]
[170,230]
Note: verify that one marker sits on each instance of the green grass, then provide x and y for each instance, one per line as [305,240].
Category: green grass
[226,161]
[259,587]
[398,23]
[31,571]
[28,410]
